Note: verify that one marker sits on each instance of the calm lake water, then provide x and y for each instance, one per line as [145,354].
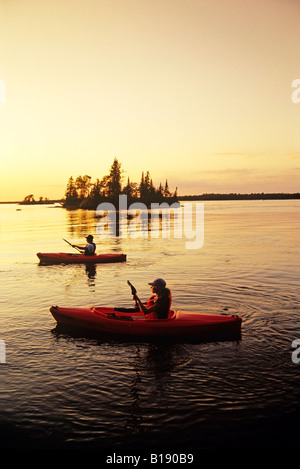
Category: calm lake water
[58,390]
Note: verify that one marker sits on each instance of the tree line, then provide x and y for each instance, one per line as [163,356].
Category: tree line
[83,193]
[29,200]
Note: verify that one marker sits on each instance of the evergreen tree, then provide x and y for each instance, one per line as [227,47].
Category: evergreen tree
[83,185]
[71,192]
[129,190]
[85,194]
[142,187]
[114,181]
[166,192]
[159,196]
[96,193]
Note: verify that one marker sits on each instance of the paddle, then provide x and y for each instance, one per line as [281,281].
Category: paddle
[72,245]
[129,310]
[133,289]
[137,300]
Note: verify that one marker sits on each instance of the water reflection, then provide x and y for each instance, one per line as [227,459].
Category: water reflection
[249,265]
[80,222]
[135,417]
[134,222]
[146,378]
[156,361]
[91,271]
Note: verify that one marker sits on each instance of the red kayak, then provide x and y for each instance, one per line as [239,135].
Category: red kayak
[180,324]
[66,258]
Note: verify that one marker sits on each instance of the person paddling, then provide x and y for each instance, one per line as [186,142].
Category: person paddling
[158,305]
[89,249]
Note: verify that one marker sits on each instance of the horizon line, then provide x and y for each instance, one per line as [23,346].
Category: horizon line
[206,194]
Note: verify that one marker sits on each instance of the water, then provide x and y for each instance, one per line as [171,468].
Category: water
[64,391]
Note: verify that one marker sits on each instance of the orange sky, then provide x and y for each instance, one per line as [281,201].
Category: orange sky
[195,91]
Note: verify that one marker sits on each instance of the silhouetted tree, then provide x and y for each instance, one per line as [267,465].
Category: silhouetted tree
[83,185]
[71,192]
[29,199]
[85,194]
[114,181]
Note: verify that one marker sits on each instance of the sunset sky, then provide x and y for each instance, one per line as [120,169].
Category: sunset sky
[198,92]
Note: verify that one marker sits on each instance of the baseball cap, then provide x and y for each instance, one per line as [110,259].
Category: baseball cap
[158,282]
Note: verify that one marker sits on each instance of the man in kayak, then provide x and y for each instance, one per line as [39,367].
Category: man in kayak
[89,249]
[158,305]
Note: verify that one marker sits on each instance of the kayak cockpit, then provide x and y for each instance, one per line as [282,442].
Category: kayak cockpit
[128,314]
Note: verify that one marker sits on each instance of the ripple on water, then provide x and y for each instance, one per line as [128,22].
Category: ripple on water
[74,391]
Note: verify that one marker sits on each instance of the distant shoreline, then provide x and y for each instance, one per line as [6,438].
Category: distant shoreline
[235,196]
[48,202]
[204,197]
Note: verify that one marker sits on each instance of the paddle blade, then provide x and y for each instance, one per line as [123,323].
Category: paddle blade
[133,289]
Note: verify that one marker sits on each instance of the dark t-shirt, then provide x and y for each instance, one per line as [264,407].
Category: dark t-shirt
[162,304]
